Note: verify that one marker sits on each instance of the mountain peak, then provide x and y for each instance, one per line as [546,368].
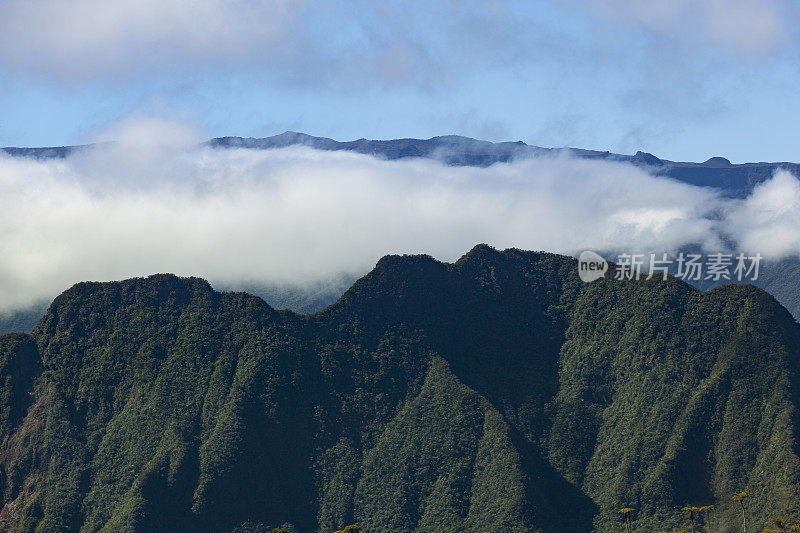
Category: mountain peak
[717,162]
[644,157]
[478,253]
[86,302]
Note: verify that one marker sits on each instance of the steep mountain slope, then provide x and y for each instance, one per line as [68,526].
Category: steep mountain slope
[498,393]
[782,280]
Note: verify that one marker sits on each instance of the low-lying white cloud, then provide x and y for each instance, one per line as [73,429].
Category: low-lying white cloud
[769,219]
[297,215]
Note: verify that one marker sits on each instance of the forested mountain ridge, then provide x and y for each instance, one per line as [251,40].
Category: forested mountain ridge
[498,393]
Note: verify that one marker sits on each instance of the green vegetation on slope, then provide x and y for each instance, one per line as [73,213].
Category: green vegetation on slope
[498,393]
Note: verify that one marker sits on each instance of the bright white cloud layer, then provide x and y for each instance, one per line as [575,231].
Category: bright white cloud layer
[769,220]
[153,204]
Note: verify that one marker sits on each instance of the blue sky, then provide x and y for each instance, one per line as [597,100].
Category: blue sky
[680,78]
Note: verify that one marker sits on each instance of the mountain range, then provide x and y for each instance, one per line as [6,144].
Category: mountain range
[497,393]
[734,180]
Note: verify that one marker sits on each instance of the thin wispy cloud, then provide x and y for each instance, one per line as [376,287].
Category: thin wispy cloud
[750,29]
[87,40]
[368,42]
[371,43]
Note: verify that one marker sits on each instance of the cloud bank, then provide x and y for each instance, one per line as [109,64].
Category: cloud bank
[158,202]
